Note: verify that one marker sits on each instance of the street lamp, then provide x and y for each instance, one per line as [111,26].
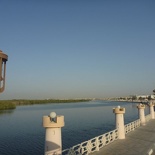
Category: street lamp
[3,59]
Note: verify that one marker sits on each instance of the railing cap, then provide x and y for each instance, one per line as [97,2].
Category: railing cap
[119,110]
[141,106]
[47,123]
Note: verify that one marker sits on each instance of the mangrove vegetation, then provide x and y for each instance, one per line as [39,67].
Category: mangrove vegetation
[11,104]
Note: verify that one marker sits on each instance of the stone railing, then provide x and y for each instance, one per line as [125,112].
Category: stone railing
[95,144]
[92,145]
[132,126]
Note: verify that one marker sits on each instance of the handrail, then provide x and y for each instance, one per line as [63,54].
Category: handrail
[132,126]
[92,145]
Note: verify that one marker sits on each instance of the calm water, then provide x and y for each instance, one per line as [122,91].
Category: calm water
[21,131]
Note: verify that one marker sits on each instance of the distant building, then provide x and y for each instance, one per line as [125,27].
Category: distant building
[146,96]
[152,96]
[142,96]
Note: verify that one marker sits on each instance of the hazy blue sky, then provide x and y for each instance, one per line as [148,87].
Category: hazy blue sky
[76,49]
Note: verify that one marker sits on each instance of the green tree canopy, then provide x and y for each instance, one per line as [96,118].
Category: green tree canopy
[134,97]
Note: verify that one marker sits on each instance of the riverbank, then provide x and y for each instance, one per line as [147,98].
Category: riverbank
[11,104]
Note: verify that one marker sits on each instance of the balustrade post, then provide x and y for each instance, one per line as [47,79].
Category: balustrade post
[119,118]
[53,139]
[141,112]
[151,105]
[97,144]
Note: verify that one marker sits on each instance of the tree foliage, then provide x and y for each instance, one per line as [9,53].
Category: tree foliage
[134,97]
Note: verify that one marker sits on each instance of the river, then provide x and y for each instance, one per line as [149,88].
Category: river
[21,131]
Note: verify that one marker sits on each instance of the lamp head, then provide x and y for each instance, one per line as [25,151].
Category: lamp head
[53,116]
[3,59]
[3,56]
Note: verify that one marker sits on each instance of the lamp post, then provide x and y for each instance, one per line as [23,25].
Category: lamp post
[3,59]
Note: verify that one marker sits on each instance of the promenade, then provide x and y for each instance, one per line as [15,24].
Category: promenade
[141,141]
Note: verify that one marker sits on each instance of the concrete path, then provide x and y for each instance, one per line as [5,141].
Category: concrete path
[141,141]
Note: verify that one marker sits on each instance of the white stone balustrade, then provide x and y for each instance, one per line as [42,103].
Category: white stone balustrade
[95,144]
[132,126]
[92,145]
[53,133]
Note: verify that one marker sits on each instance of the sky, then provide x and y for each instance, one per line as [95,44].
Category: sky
[78,48]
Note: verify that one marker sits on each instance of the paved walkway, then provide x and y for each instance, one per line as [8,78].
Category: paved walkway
[141,141]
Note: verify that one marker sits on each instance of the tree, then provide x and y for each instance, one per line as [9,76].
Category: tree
[154,91]
[140,98]
[134,97]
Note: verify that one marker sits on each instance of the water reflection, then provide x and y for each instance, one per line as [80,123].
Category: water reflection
[7,112]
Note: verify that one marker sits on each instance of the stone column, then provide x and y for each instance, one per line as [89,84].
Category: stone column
[141,108]
[151,105]
[119,118]
[53,139]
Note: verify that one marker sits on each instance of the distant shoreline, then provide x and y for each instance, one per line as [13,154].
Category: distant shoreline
[11,104]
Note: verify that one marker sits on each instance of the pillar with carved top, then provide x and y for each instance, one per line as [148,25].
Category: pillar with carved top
[151,105]
[141,108]
[53,139]
[119,118]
